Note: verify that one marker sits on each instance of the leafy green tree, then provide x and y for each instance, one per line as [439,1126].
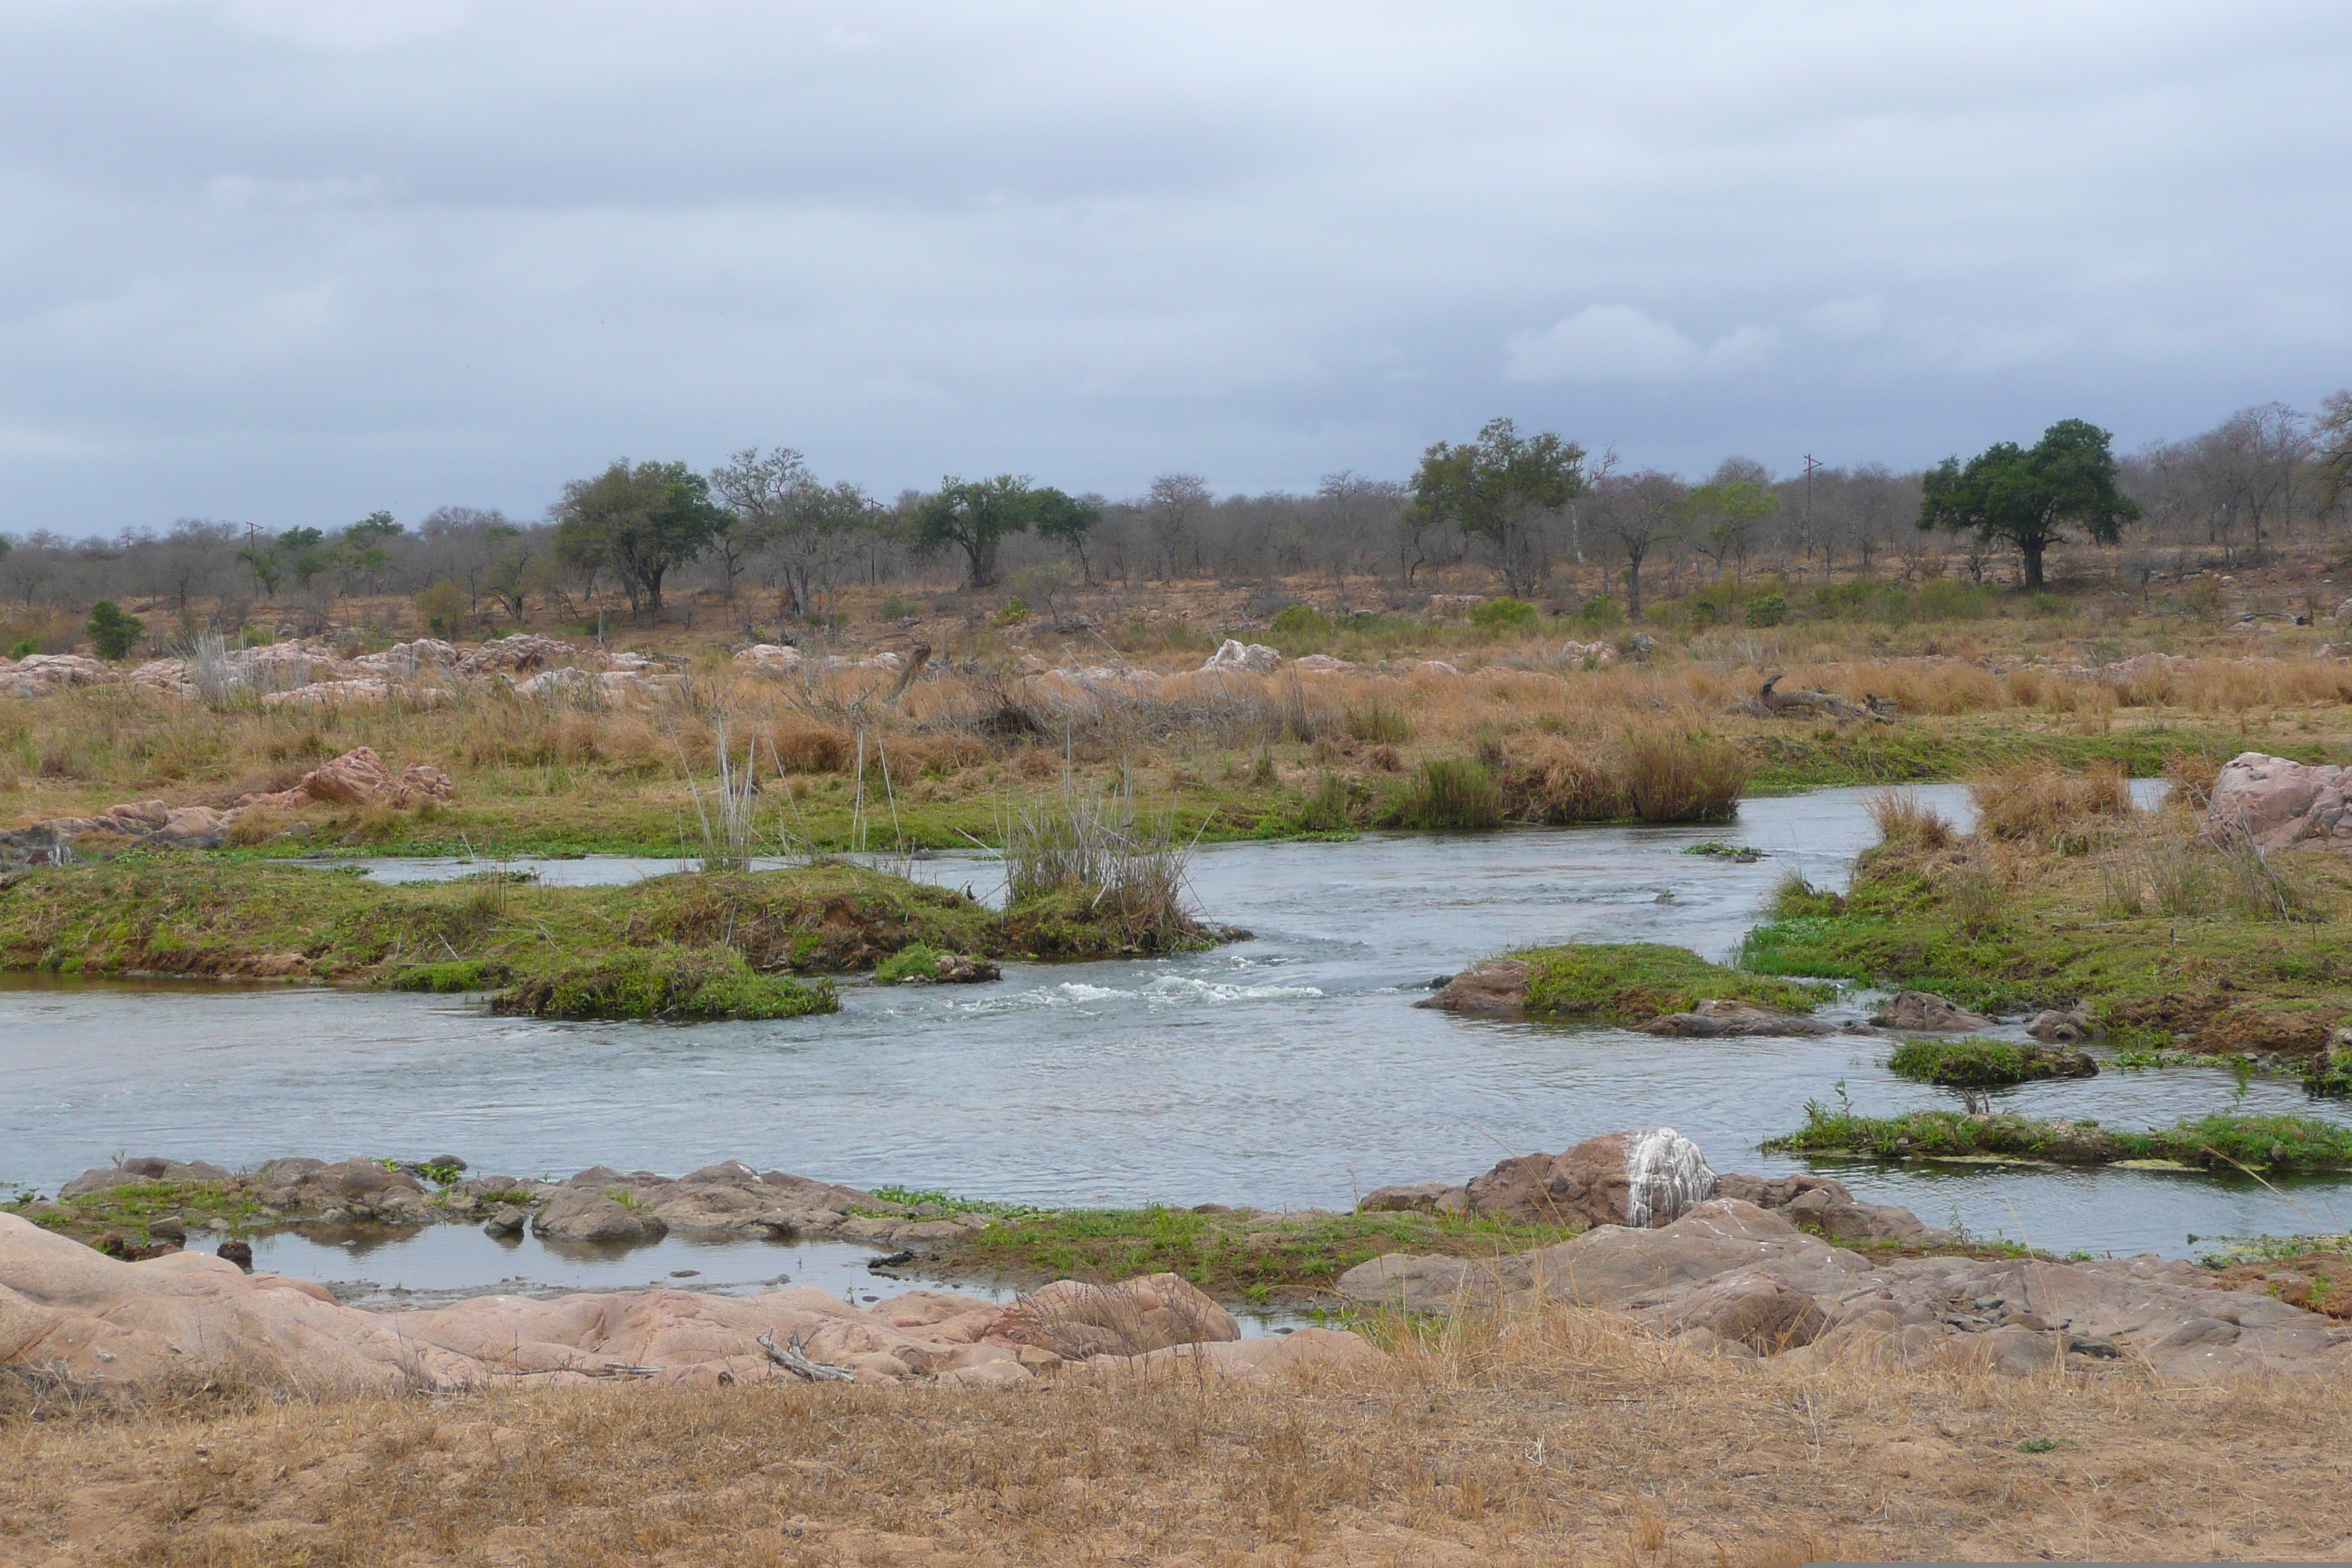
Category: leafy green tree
[2333,436]
[1501,487]
[2029,497]
[974,516]
[112,633]
[1067,520]
[263,561]
[639,523]
[1726,514]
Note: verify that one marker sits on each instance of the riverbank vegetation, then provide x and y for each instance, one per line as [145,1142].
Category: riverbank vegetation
[685,945]
[1238,1256]
[2067,894]
[2216,1142]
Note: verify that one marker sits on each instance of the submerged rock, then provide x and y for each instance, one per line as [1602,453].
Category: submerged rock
[2066,1028]
[1926,1011]
[583,1215]
[1732,1019]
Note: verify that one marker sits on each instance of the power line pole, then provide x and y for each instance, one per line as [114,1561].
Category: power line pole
[1810,467]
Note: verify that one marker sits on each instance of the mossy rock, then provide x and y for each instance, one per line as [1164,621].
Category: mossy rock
[1631,983]
[1979,1063]
[672,983]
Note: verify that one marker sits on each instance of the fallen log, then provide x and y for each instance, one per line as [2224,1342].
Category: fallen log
[1808,704]
[790,1357]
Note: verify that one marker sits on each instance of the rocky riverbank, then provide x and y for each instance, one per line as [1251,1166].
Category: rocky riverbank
[1748,1268]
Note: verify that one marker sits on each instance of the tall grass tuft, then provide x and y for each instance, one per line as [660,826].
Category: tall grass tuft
[1904,823]
[2053,807]
[1449,792]
[1679,778]
[729,836]
[1128,866]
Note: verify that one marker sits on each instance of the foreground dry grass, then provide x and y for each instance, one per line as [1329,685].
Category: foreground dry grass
[1566,1438]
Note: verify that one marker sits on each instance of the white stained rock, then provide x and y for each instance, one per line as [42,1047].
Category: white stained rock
[772,658]
[1233,655]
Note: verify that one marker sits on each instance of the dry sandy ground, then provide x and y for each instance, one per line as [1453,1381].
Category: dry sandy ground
[1570,1438]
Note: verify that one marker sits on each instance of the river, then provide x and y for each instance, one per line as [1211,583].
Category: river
[1284,1071]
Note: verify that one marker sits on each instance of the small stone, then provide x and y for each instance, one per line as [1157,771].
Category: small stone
[506,1220]
[238,1252]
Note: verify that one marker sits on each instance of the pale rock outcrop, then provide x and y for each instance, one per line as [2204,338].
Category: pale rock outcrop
[1232,654]
[772,658]
[2277,803]
[1595,653]
[1320,664]
[1077,1320]
[70,1312]
[329,693]
[44,672]
[1924,1011]
[1822,1204]
[515,655]
[359,777]
[1755,1311]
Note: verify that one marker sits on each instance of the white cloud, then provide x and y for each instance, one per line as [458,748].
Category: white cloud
[1626,342]
[1848,319]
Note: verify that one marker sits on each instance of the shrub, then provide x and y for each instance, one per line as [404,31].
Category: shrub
[1298,625]
[112,633]
[443,607]
[1503,616]
[1767,610]
[897,608]
[1599,613]
[1450,793]
[24,648]
[1015,611]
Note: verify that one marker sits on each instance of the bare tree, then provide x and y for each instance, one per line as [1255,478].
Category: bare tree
[1640,513]
[1173,513]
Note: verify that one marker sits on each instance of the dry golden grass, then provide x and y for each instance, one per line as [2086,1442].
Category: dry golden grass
[1566,1437]
[2053,807]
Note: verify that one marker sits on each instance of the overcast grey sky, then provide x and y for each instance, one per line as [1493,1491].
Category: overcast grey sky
[292,260]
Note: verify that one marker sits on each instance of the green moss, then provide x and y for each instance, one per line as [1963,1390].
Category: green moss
[1627,982]
[2219,1142]
[1232,1255]
[671,984]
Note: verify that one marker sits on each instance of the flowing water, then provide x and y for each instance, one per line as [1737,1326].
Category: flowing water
[1284,1071]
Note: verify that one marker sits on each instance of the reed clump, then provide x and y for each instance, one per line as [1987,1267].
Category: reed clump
[1127,866]
[2055,809]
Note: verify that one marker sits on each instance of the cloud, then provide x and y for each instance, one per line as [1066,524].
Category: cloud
[1626,342]
[293,258]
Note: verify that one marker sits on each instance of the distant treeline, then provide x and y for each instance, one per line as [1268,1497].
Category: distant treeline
[765,532]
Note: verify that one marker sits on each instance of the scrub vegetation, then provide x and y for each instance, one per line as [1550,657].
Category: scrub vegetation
[1629,983]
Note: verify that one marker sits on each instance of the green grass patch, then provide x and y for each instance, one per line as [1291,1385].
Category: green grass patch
[1979,1063]
[673,985]
[459,974]
[1234,1255]
[1628,983]
[2222,1141]
[917,961]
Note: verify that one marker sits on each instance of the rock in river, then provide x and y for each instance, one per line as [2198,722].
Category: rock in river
[1732,1019]
[574,1215]
[1926,1011]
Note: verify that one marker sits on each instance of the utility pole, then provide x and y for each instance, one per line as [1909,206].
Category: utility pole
[1810,467]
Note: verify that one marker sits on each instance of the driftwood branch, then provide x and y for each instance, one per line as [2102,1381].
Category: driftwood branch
[1804,704]
[792,1360]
